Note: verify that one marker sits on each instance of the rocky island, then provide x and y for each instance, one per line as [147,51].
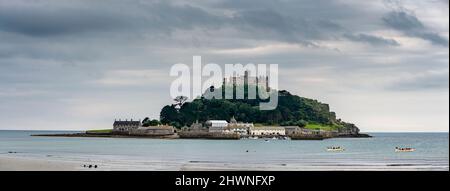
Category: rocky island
[295,117]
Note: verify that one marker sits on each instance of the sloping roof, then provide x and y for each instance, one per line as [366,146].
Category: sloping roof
[217,121]
[126,123]
[267,128]
[157,127]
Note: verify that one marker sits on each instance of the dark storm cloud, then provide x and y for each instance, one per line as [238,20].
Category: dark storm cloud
[157,18]
[374,40]
[412,26]
[41,21]
[258,20]
[36,20]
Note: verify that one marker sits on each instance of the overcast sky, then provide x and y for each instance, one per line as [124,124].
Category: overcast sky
[76,65]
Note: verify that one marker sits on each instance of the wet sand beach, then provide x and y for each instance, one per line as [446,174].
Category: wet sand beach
[33,164]
[21,163]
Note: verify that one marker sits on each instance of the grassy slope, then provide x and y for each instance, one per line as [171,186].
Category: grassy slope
[100,131]
[312,126]
[322,127]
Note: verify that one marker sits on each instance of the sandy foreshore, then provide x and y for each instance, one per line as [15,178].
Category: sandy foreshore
[32,164]
[21,163]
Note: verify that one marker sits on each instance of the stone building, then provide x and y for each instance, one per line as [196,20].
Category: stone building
[238,127]
[196,127]
[125,126]
[292,130]
[135,128]
[261,81]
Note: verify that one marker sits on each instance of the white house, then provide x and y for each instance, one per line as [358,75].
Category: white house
[216,126]
[238,127]
[267,131]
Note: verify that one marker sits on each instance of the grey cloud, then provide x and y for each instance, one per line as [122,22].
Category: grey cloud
[445,1]
[266,23]
[403,21]
[291,22]
[162,18]
[428,81]
[59,19]
[42,21]
[433,37]
[412,26]
[371,39]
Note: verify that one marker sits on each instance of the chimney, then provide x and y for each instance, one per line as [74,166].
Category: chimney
[246,77]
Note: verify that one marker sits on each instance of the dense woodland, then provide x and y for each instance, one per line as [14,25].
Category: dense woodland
[291,110]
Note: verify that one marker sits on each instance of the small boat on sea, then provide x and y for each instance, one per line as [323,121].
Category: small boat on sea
[407,149]
[274,138]
[335,149]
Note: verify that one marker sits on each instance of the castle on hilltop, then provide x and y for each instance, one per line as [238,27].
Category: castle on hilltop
[259,81]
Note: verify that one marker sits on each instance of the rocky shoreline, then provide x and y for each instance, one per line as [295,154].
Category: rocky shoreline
[359,135]
[206,135]
[191,135]
[106,135]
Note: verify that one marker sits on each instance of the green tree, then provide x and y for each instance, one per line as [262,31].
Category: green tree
[147,122]
[168,114]
[302,123]
[154,122]
[176,124]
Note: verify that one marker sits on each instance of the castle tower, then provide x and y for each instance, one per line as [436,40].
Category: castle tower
[233,120]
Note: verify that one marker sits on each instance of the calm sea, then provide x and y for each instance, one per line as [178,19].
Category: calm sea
[375,153]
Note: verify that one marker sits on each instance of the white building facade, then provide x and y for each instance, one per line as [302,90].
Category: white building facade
[267,131]
[217,126]
[238,127]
